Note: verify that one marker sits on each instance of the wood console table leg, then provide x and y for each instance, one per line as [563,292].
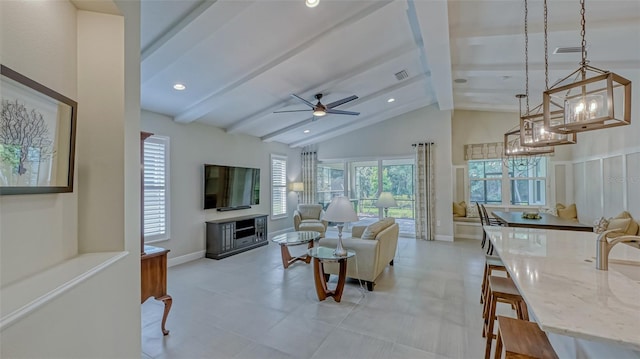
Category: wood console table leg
[168,301]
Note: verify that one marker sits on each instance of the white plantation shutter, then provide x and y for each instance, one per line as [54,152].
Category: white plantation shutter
[156,188]
[278,186]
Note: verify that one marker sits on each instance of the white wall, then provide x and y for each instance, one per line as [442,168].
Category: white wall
[65,49]
[393,138]
[193,145]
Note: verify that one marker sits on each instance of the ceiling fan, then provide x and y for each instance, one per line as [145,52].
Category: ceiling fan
[320,110]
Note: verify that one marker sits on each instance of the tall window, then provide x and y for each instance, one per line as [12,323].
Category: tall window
[528,186]
[330,181]
[278,186]
[156,188]
[485,181]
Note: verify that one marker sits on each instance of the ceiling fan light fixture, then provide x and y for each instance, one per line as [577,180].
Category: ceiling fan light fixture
[319,112]
[312,3]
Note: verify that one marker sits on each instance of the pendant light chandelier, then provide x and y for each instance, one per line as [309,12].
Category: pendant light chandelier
[590,103]
[532,127]
[515,155]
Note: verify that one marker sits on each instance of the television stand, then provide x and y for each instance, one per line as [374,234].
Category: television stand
[229,236]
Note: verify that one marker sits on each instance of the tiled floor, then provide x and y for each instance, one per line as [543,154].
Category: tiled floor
[248,306]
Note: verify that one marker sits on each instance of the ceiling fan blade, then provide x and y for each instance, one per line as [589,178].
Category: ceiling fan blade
[291,111]
[340,112]
[303,100]
[340,102]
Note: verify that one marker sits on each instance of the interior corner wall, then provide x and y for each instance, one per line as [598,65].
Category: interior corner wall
[393,138]
[37,231]
[195,144]
[100,316]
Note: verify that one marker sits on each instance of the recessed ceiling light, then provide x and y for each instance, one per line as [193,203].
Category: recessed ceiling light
[460,81]
[306,131]
[312,3]
[391,100]
[179,87]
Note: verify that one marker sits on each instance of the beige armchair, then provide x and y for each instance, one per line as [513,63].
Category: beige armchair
[375,246]
[308,217]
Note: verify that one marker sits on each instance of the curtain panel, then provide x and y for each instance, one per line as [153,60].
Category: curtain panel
[424,187]
[309,168]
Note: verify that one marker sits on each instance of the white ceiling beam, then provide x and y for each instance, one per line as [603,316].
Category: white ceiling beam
[481,36]
[208,103]
[176,28]
[273,135]
[473,106]
[518,69]
[342,78]
[429,21]
[201,23]
[349,127]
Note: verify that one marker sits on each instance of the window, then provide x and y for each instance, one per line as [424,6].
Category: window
[528,185]
[278,186]
[156,188]
[524,187]
[330,181]
[485,181]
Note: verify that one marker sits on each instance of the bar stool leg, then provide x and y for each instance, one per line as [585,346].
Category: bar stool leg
[498,353]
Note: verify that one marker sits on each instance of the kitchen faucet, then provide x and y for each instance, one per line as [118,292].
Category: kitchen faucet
[604,247]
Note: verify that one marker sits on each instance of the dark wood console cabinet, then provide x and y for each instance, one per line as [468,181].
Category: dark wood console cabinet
[229,236]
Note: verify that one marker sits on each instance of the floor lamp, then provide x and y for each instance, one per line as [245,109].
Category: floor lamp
[297,187]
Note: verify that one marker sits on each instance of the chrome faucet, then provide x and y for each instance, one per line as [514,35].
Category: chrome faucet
[604,247]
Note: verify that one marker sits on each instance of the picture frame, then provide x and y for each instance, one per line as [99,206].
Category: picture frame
[37,137]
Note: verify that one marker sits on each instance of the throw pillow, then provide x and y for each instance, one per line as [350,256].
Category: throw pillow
[472,211]
[373,229]
[569,212]
[619,224]
[459,209]
[560,206]
[623,214]
[600,225]
[633,226]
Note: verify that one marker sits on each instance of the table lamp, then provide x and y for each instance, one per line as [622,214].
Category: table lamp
[385,201]
[340,210]
[297,187]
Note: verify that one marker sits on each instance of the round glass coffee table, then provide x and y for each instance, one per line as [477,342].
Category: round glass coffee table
[324,254]
[295,239]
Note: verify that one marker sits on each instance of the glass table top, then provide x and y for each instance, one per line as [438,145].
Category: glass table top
[326,254]
[295,238]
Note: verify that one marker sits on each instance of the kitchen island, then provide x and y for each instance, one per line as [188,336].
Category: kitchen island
[593,312]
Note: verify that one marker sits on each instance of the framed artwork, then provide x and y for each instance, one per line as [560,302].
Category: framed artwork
[37,137]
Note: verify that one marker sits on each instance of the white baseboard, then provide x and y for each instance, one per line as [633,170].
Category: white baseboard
[467,236]
[185,258]
[442,237]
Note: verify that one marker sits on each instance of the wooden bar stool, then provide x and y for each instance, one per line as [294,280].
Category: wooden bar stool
[500,290]
[491,263]
[522,340]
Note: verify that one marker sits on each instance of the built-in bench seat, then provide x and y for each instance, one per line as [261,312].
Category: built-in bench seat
[467,227]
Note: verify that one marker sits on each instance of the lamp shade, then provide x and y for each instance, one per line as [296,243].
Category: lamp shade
[386,200]
[297,186]
[340,210]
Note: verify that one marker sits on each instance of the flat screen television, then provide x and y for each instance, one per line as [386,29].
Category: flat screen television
[230,187]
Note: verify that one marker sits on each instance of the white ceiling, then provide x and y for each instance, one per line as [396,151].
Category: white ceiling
[241,60]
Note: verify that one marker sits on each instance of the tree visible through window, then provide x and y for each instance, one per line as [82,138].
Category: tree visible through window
[485,181]
[528,185]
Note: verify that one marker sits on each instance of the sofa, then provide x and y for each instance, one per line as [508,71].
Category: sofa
[375,246]
[308,217]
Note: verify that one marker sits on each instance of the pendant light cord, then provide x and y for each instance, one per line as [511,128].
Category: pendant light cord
[546,49]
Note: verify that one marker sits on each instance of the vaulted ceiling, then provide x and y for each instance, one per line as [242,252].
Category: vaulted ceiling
[241,60]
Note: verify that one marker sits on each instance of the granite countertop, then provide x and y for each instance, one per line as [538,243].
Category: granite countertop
[556,274]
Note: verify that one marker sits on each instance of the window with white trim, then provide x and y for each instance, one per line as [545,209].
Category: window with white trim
[156,188]
[278,186]
[522,187]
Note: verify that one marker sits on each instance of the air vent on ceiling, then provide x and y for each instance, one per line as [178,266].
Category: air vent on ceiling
[568,50]
[402,75]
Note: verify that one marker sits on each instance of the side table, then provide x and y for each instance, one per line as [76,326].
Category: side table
[324,254]
[294,239]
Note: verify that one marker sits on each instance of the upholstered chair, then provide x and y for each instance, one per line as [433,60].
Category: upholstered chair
[308,217]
